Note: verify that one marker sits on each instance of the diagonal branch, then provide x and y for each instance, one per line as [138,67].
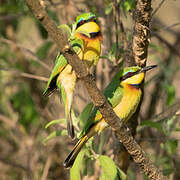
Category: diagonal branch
[98,98]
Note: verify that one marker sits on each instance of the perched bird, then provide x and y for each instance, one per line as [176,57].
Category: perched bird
[85,39]
[124,94]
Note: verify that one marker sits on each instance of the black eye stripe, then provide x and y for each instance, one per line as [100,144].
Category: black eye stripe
[129,74]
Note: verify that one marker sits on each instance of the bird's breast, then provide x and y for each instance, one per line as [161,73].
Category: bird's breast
[91,49]
[128,103]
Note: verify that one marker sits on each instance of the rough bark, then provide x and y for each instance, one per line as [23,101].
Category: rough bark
[141,33]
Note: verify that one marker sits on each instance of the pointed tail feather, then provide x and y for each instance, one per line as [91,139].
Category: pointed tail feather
[70,127]
[49,92]
[94,129]
[73,154]
[51,87]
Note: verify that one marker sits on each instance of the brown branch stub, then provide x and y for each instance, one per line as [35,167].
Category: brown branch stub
[98,98]
[142,17]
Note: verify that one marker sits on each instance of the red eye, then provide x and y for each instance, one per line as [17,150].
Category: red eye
[81,22]
[129,73]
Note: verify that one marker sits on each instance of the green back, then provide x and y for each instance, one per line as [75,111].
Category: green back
[85,16]
[113,92]
[130,69]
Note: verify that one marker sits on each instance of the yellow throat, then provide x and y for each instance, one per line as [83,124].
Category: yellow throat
[91,45]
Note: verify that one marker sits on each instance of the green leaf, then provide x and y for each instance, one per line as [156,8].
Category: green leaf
[43,50]
[75,170]
[171,94]
[168,125]
[152,124]
[109,8]
[121,174]
[168,170]
[23,103]
[85,115]
[127,5]
[177,128]
[57,121]
[171,146]
[109,167]
[66,28]
[166,164]
[55,134]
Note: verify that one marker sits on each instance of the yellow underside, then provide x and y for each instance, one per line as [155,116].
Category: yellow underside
[125,109]
[129,102]
[91,51]
[68,80]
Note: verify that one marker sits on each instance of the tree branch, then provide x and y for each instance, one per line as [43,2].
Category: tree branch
[159,6]
[142,17]
[98,98]
[26,75]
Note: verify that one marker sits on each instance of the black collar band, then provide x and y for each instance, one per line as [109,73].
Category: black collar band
[94,34]
[137,86]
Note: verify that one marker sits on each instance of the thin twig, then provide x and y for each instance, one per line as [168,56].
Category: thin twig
[159,6]
[46,168]
[161,76]
[26,51]
[162,26]
[123,33]
[6,120]
[27,75]
[10,17]
[13,164]
[116,29]
[32,76]
[168,27]
[171,47]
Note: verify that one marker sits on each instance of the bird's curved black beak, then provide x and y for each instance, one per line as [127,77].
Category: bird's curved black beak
[147,68]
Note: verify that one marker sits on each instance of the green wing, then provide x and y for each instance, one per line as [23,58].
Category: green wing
[60,64]
[113,92]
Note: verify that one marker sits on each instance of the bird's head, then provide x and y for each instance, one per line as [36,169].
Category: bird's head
[87,22]
[135,74]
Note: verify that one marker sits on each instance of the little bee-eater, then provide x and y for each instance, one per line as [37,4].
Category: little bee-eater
[124,94]
[86,42]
